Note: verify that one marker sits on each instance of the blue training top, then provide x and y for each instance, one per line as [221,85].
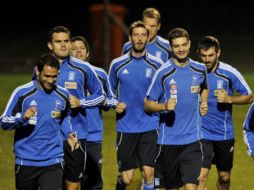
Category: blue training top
[37,141]
[159,48]
[248,130]
[183,125]
[94,115]
[78,78]
[217,123]
[129,78]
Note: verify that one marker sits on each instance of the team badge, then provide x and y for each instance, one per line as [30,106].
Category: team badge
[71,75]
[148,73]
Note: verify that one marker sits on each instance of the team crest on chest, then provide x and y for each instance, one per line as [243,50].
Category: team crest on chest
[71,75]
[158,54]
[149,73]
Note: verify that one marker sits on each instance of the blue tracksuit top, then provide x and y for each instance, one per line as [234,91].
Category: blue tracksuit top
[94,115]
[78,78]
[37,144]
[248,130]
[183,125]
[217,123]
[129,78]
[159,48]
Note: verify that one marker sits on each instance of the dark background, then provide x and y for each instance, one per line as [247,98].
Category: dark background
[25,26]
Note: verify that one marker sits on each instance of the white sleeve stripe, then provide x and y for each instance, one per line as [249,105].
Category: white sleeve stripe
[237,74]
[155,76]
[14,93]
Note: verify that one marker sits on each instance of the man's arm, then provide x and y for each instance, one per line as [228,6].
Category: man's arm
[223,97]
[153,106]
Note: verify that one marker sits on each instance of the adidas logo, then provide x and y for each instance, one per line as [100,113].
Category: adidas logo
[125,71]
[33,103]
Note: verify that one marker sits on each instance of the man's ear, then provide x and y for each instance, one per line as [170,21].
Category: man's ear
[37,72]
[50,46]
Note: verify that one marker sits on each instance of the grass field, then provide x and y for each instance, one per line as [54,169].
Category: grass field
[242,174]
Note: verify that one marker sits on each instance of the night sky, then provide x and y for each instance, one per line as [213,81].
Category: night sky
[25,26]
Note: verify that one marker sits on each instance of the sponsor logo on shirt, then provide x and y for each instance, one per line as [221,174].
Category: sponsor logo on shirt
[55,114]
[125,71]
[70,85]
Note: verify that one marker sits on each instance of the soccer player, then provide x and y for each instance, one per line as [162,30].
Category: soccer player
[248,131]
[157,45]
[93,173]
[130,76]
[78,78]
[217,125]
[37,111]
[179,93]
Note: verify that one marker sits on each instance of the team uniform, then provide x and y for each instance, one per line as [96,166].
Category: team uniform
[78,78]
[180,130]
[160,48]
[136,130]
[38,144]
[93,173]
[217,127]
[248,128]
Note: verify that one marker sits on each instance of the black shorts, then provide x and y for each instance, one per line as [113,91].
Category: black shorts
[220,153]
[93,174]
[136,149]
[178,164]
[75,161]
[45,177]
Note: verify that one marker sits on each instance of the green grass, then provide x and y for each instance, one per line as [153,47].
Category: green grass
[242,173]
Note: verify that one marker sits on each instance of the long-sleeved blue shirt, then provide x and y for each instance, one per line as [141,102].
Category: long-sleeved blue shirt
[129,78]
[78,78]
[183,125]
[248,130]
[37,141]
[94,115]
[217,123]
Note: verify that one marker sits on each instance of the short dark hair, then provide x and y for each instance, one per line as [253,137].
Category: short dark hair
[137,24]
[81,38]
[177,33]
[47,59]
[152,13]
[58,29]
[208,42]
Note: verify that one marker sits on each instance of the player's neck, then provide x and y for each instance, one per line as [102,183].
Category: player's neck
[181,62]
[138,54]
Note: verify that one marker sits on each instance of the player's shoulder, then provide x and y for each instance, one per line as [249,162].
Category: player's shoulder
[197,64]
[79,64]
[226,67]
[162,41]
[99,71]
[154,59]
[121,60]
[25,88]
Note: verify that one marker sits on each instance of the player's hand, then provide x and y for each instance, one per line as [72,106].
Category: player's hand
[171,104]
[73,141]
[222,96]
[29,112]
[74,101]
[203,108]
[120,107]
